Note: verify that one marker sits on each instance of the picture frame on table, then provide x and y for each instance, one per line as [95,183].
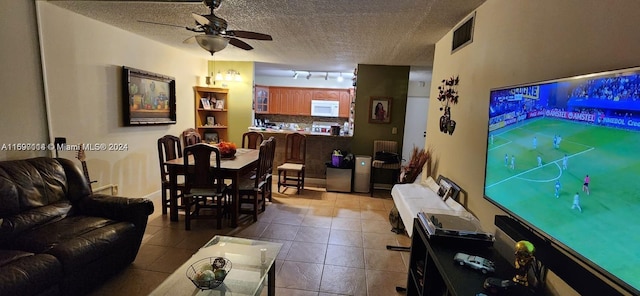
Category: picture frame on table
[380,109]
[211,137]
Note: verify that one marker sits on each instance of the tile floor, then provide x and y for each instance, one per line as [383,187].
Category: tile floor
[333,244]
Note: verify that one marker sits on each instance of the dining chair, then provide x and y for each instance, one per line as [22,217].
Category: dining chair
[204,186]
[252,140]
[190,136]
[387,148]
[253,187]
[271,156]
[294,162]
[169,148]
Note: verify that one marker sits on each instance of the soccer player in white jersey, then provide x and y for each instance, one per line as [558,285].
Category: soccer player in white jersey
[557,186]
[539,158]
[564,162]
[576,202]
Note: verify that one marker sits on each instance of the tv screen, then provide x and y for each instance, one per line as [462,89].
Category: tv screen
[563,157]
[148,98]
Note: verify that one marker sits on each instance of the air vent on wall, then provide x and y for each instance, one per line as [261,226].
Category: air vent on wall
[463,34]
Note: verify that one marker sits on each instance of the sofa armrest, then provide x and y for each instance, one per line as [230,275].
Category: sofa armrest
[135,210]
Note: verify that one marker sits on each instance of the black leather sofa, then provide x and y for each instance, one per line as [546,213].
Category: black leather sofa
[55,237]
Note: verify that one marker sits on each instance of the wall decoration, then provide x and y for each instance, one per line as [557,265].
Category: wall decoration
[148,98]
[448,95]
[380,109]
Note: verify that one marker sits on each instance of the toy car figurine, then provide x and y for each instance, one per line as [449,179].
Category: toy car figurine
[496,285]
[483,265]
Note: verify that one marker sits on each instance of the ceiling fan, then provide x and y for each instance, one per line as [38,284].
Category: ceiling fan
[216,37]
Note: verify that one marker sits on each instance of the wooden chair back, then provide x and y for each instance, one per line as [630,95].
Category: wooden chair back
[296,148]
[201,175]
[169,148]
[271,153]
[252,140]
[190,137]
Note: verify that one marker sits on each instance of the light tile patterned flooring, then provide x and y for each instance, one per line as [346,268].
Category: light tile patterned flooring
[333,244]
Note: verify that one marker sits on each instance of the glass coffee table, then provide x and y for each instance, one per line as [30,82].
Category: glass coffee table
[252,262]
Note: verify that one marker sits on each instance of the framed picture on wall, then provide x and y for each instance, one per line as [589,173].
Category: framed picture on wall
[380,109]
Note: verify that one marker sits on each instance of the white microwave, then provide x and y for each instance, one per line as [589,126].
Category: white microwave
[325,108]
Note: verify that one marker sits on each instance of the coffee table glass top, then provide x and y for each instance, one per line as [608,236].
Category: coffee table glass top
[247,275]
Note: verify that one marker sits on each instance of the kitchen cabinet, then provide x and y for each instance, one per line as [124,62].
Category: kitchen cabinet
[261,100]
[297,100]
[345,104]
[274,100]
[208,119]
[326,94]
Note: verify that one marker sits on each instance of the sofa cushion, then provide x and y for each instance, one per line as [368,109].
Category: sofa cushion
[78,240]
[23,273]
[32,192]
[14,225]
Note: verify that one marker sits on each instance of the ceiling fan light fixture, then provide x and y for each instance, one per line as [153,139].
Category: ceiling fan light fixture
[212,43]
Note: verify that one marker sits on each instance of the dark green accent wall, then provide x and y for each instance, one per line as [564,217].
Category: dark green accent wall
[379,81]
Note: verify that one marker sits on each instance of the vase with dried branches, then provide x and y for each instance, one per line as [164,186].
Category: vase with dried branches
[419,157]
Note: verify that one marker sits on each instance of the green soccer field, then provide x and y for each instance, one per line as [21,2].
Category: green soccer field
[605,231]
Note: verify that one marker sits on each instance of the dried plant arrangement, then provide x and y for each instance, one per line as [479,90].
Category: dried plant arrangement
[419,157]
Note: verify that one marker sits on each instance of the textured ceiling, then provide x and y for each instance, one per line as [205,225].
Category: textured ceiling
[309,35]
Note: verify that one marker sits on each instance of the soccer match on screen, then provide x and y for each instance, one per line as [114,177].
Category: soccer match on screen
[564,156]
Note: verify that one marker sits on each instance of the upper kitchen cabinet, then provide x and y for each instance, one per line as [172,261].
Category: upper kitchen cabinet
[274,100]
[261,100]
[327,94]
[345,104]
[297,100]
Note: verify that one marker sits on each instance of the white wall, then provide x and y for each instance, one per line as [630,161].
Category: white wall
[519,41]
[83,60]
[22,116]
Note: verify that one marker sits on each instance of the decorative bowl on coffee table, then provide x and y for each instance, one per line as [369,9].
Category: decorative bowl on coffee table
[209,273]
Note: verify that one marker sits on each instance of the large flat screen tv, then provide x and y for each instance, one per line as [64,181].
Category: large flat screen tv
[546,140]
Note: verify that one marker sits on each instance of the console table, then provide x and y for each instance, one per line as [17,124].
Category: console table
[432,270]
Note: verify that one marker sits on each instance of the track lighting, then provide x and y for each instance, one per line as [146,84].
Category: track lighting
[339,75]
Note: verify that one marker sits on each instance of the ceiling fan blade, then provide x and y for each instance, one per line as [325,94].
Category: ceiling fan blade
[201,19]
[156,23]
[248,35]
[190,40]
[239,43]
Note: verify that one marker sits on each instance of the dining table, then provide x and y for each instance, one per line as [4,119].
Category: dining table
[233,168]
